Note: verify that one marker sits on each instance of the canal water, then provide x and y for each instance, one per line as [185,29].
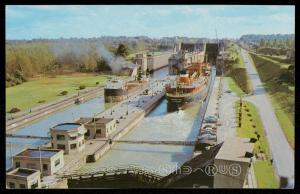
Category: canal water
[160,125]
[181,125]
[41,126]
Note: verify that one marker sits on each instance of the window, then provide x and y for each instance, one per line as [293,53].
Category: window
[73,146]
[61,146]
[17,164]
[60,137]
[22,186]
[98,131]
[45,167]
[57,162]
[11,185]
[73,138]
[82,141]
[31,166]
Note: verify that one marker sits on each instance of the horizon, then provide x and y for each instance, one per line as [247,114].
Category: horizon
[24,22]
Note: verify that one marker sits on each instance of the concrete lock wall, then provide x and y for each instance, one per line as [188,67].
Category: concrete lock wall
[138,117]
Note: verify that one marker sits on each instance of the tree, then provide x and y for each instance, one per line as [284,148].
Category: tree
[122,50]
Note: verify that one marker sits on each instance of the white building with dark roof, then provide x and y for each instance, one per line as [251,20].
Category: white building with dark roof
[23,178]
[68,137]
[48,161]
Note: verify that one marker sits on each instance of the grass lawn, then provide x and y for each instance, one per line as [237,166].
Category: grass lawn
[238,79]
[234,87]
[264,174]
[28,94]
[251,126]
[282,96]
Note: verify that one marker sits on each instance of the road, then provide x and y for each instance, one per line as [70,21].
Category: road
[283,154]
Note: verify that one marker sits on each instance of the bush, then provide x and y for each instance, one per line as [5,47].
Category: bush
[81,87]
[97,83]
[240,76]
[64,93]
[8,77]
[18,81]
[7,84]
[41,101]
[14,110]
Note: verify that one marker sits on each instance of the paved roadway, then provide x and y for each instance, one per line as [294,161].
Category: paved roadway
[283,154]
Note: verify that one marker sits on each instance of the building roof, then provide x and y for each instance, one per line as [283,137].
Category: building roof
[35,153]
[66,126]
[23,172]
[103,120]
[234,149]
[83,120]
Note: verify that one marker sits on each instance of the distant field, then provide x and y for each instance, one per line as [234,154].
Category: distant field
[263,169]
[282,96]
[28,94]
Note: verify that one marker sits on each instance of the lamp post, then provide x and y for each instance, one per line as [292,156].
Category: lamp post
[41,165]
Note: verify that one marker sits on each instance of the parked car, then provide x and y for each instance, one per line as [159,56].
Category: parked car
[206,125]
[209,129]
[210,120]
[207,137]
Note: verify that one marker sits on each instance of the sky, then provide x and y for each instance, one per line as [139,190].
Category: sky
[154,21]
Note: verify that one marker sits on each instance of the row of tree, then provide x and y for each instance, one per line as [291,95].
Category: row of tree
[26,60]
[288,43]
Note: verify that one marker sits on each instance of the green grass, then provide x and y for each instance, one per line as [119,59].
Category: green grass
[264,174]
[247,130]
[275,61]
[28,94]
[234,87]
[239,82]
[282,96]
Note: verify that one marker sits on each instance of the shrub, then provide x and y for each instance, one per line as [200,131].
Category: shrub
[14,110]
[240,76]
[8,77]
[7,84]
[64,93]
[81,87]
[97,83]
[18,81]
[41,101]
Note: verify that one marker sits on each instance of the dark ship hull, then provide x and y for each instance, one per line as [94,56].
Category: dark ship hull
[114,95]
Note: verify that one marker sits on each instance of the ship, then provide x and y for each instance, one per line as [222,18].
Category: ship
[191,85]
[117,90]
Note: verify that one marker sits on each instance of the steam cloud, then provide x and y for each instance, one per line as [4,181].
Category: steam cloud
[74,52]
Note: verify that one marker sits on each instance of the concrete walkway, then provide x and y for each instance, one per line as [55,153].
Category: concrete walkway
[283,154]
[227,114]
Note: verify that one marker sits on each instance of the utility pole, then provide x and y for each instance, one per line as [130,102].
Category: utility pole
[10,149]
[95,122]
[41,161]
